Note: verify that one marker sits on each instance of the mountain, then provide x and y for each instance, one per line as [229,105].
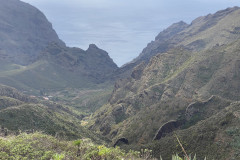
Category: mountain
[33,59]
[58,67]
[163,41]
[190,82]
[185,84]
[94,63]
[24,32]
[201,34]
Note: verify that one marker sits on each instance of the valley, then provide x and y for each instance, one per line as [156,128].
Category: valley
[184,85]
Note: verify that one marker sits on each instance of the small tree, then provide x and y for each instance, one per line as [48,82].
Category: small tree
[78,143]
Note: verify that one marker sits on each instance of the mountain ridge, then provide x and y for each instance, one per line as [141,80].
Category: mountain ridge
[180,33]
[158,92]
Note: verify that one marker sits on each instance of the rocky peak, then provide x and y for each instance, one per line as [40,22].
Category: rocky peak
[208,21]
[172,30]
[93,49]
[93,46]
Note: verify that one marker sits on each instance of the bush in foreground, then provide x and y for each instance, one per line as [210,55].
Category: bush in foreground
[38,146]
[44,147]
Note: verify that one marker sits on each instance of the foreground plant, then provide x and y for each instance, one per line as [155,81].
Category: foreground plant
[58,156]
[78,143]
[38,146]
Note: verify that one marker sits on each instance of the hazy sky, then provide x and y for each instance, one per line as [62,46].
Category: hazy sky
[121,27]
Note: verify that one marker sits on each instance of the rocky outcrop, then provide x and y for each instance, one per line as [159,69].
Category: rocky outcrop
[166,128]
[200,110]
[120,140]
[138,70]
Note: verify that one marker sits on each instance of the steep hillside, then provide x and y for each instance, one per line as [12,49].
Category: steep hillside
[174,90]
[163,41]
[163,89]
[24,32]
[214,138]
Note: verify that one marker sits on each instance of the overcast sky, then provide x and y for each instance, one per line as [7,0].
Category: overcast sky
[121,27]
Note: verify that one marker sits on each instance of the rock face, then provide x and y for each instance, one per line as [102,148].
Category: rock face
[197,63]
[24,32]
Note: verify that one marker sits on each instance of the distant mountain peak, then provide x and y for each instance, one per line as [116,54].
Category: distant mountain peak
[201,33]
[172,30]
[93,49]
[215,17]
[93,46]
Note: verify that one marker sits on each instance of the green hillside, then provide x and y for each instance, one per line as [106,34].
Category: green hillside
[45,147]
[20,113]
[216,137]
[182,93]
[42,75]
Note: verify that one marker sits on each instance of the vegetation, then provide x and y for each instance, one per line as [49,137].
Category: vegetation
[190,77]
[44,147]
[21,113]
[58,68]
[38,146]
[82,101]
[44,75]
[172,94]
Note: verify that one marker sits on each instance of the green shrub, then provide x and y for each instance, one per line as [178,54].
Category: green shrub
[58,156]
